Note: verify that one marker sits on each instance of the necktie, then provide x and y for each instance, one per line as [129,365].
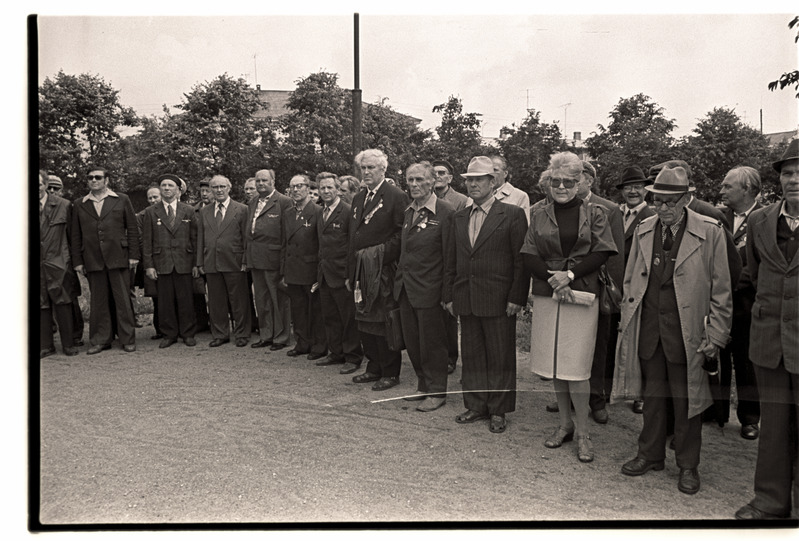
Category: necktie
[627,216]
[220,209]
[669,242]
[326,214]
[170,215]
[369,197]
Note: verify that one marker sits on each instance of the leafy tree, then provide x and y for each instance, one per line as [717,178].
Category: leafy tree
[638,134]
[79,121]
[791,77]
[527,147]
[720,142]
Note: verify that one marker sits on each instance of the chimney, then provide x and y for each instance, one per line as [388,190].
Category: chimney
[577,136]
[258,88]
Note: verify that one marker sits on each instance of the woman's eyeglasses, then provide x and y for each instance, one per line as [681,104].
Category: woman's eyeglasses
[567,183]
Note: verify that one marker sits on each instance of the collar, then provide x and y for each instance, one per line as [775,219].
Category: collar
[302,206]
[108,193]
[784,211]
[443,192]
[506,189]
[173,204]
[429,204]
[485,207]
[636,209]
[675,227]
[333,205]
[587,197]
[223,203]
[746,212]
[376,188]
[265,197]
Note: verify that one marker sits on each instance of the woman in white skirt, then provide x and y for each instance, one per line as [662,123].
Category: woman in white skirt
[568,241]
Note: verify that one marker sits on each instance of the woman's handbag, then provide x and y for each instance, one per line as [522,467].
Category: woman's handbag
[609,293]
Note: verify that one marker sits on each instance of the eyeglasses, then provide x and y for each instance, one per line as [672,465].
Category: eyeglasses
[567,183]
[297,186]
[442,172]
[95,177]
[632,187]
[53,189]
[671,203]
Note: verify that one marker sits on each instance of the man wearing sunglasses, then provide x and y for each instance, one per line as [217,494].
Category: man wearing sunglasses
[676,315]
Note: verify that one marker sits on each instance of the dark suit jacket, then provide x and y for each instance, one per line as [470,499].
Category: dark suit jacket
[264,244]
[385,215]
[221,248]
[333,245]
[300,255]
[108,240]
[733,258]
[425,245]
[703,207]
[58,281]
[774,335]
[483,279]
[615,263]
[169,248]
[739,238]
[643,214]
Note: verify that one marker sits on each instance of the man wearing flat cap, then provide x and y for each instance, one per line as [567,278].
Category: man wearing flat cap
[169,240]
[443,190]
[772,258]
[675,317]
[485,284]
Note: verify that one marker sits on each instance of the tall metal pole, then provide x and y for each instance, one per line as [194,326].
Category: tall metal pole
[357,128]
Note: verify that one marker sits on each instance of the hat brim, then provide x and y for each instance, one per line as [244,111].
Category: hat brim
[778,165]
[669,191]
[646,181]
[467,175]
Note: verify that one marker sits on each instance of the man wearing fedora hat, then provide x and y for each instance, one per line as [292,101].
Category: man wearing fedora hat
[169,242]
[443,190]
[485,284]
[772,257]
[695,204]
[676,313]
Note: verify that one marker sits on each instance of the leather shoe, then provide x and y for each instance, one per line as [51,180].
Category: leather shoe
[689,481]
[497,424]
[78,343]
[385,383]
[129,348]
[470,416]
[70,352]
[749,512]
[349,368]
[275,346]
[241,342]
[46,352]
[585,452]
[639,466]
[294,353]
[431,403]
[216,342]
[750,432]
[314,356]
[366,377]
[190,341]
[97,349]
[327,361]
[157,336]
[558,437]
[166,342]
[600,416]
[638,406]
[261,344]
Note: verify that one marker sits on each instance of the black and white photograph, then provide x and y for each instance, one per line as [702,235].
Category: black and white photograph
[359,268]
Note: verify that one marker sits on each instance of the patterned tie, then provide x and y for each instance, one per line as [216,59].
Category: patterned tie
[326,214]
[170,215]
[220,213]
[369,197]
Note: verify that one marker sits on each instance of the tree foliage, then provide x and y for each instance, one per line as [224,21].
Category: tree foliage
[720,141]
[791,77]
[79,121]
[638,133]
[528,147]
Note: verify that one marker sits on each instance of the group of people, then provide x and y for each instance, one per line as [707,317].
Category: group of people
[358,268]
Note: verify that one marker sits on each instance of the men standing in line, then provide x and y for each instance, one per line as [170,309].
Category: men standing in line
[220,256]
[251,193]
[772,257]
[443,189]
[299,266]
[138,277]
[378,212]
[676,315]
[505,191]
[338,309]
[200,306]
[169,232]
[105,246]
[264,243]
[634,209]
[56,277]
[601,374]
[739,192]
[486,286]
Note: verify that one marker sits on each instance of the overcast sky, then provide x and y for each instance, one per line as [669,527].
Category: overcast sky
[572,68]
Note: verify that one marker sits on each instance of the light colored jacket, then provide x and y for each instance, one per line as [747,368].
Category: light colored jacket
[702,287]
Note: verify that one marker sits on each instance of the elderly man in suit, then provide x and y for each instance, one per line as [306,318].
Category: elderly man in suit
[105,246]
[138,278]
[739,192]
[338,310]
[299,266]
[378,212]
[419,282]
[506,192]
[57,279]
[676,315]
[221,231]
[772,258]
[169,232]
[264,244]
[602,369]
[486,286]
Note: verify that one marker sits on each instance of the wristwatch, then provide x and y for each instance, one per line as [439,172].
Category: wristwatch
[570,274]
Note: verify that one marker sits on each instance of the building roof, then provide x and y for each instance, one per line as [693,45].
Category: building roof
[780,137]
